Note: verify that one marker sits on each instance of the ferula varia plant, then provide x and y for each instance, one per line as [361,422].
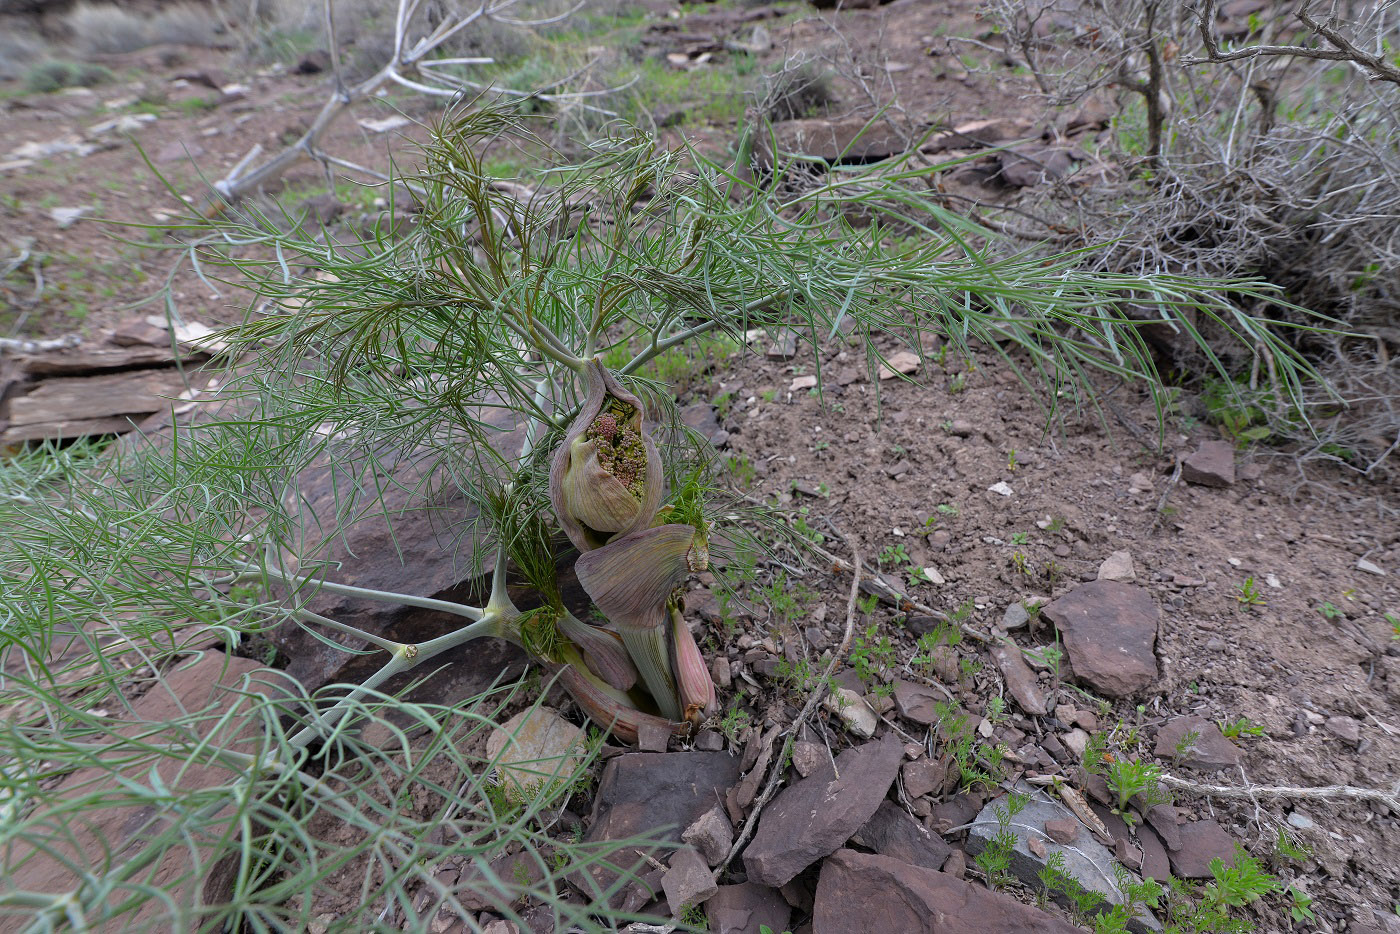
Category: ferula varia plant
[471,341]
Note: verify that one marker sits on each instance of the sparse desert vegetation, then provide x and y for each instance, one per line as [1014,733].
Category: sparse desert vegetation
[516,465]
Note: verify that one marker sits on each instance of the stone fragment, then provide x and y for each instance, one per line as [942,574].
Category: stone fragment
[814,816]
[1201,842]
[1212,464]
[892,832]
[688,882]
[66,839]
[1109,631]
[1001,488]
[1370,567]
[384,124]
[1015,617]
[1062,830]
[67,217]
[653,796]
[1346,729]
[854,712]
[700,418]
[712,835]
[1165,819]
[709,741]
[746,909]
[1028,165]
[807,756]
[915,702]
[802,383]
[653,737]
[832,140]
[501,926]
[535,749]
[784,346]
[902,363]
[1020,680]
[924,777]
[1118,567]
[403,546]
[1198,743]
[868,892]
[1156,864]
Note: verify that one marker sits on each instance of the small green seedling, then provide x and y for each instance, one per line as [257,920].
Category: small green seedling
[1330,611]
[1240,728]
[1249,593]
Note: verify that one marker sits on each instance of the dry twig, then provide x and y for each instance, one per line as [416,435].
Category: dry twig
[1390,799]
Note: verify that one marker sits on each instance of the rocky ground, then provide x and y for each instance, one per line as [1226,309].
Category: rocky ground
[1087,600]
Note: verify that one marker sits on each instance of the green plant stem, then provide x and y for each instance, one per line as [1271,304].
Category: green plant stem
[253,572]
[405,657]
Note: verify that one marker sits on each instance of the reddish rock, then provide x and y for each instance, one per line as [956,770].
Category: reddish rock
[1212,464]
[655,796]
[1164,819]
[893,833]
[1198,743]
[865,892]
[1156,864]
[97,841]
[1020,680]
[712,835]
[1109,631]
[813,817]
[915,702]
[745,908]
[1201,842]
[1062,831]
[688,882]
[924,777]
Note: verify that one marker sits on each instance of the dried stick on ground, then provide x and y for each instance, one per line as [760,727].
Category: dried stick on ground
[1390,799]
[1344,50]
[819,692]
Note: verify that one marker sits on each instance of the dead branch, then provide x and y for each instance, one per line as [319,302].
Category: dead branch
[1344,50]
[1390,799]
[406,59]
[819,692]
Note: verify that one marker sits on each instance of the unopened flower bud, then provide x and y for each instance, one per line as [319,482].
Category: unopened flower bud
[693,682]
[606,480]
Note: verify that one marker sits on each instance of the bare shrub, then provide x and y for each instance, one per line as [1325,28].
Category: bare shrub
[185,24]
[107,29]
[802,88]
[17,51]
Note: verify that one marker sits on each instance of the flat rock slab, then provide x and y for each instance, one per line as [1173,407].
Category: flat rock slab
[893,833]
[1198,743]
[414,543]
[813,817]
[535,749]
[1110,634]
[1087,860]
[96,841]
[70,407]
[1212,464]
[747,908]
[654,796]
[1201,842]
[867,892]
[1020,680]
[916,702]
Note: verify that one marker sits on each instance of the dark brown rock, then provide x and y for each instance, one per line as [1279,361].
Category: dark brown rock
[834,141]
[1156,864]
[701,419]
[1201,842]
[1063,830]
[413,543]
[893,833]
[924,777]
[1110,631]
[915,702]
[1198,743]
[957,811]
[1163,819]
[743,908]
[654,796]
[1212,464]
[813,817]
[688,882]
[313,63]
[1027,166]
[865,892]
[97,841]
[1020,680]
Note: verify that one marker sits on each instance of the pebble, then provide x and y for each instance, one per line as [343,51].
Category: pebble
[1370,567]
[1001,488]
[1300,821]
